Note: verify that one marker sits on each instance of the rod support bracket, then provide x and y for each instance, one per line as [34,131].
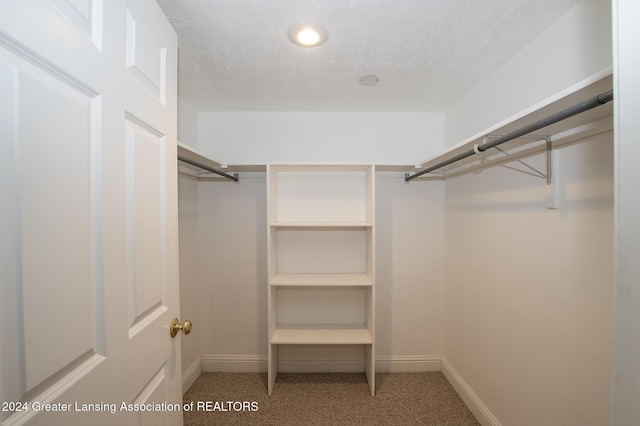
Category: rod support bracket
[551,188]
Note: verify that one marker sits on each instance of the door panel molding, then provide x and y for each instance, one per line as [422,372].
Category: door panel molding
[21,50]
[86,16]
[146,220]
[146,56]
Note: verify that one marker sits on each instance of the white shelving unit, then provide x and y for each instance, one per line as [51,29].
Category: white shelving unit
[321,259]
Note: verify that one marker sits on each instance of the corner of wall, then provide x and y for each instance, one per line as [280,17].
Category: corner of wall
[188,119]
[481,412]
[191,374]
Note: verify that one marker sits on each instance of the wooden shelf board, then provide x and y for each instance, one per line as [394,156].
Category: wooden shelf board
[321,334]
[193,154]
[315,167]
[321,224]
[321,280]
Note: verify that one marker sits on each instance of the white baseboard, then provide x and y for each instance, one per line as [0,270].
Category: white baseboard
[234,363]
[191,375]
[470,398]
[258,364]
[408,363]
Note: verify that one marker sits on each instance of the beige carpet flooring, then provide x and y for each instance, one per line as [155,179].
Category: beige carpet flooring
[325,399]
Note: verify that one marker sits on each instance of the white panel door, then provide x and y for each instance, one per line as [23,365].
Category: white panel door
[88,216]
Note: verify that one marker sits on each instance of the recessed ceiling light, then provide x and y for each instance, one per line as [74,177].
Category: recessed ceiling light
[307,35]
[369,80]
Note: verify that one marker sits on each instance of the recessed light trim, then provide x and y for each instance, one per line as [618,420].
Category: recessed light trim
[307,35]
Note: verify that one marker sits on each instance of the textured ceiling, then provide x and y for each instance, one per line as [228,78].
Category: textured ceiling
[235,55]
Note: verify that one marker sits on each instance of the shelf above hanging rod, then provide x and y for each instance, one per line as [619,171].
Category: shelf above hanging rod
[479,148]
[188,155]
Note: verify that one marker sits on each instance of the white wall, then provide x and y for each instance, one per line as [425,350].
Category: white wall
[233,281]
[320,137]
[528,291]
[409,273]
[572,52]
[627,211]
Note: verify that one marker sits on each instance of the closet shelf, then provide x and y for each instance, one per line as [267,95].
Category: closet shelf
[322,280]
[193,154]
[322,334]
[189,152]
[324,225]
[197,161]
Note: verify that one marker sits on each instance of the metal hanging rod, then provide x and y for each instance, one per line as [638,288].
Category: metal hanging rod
[576,109]
[184,159]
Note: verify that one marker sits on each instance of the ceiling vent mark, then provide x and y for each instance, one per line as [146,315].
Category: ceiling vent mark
[369,80]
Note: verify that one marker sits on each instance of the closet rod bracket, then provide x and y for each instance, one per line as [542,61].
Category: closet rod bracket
[547,175]
[550,188]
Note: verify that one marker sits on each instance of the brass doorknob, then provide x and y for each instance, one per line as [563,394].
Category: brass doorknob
[176,326]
